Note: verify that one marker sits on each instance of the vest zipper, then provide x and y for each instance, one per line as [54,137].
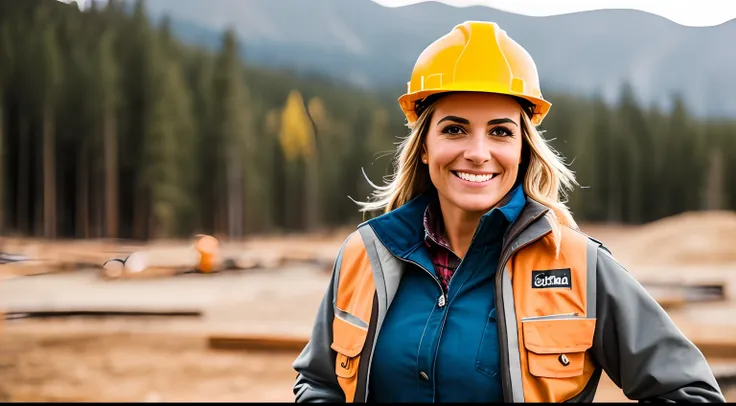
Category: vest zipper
[501,314]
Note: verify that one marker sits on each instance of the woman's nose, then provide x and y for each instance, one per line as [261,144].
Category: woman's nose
[478,149]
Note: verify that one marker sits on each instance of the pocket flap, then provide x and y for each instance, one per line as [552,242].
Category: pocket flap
[347,339]
[560,336]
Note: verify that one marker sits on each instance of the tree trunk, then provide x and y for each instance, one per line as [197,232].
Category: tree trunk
[714,189]
[234,196]
[140,216]
[22,201]
[83,193]
[111,175]
[3,161]
[313,218]
[49,174]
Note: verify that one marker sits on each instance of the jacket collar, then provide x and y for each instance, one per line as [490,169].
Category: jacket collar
[401,231]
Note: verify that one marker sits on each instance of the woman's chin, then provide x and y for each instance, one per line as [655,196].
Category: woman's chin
[477,204]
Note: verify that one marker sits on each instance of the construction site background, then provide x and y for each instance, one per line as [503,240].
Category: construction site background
[122,144]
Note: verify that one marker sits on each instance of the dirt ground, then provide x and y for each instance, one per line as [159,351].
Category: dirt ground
[167,359]
[39,362]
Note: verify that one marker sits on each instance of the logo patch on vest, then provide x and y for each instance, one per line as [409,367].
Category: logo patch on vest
[552,278]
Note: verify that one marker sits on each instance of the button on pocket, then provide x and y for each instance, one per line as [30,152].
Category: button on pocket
[488,361]
[556,347]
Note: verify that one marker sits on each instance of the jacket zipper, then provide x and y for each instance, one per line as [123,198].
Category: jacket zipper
[501,316]
[441,302]
[444,316]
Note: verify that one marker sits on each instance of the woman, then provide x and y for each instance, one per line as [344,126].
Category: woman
[475,285]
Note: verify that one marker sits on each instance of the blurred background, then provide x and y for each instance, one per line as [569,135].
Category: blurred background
[128,128]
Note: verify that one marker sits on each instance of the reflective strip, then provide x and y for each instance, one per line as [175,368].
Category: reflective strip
[336,269]
[353,307]
[535,230]
[591,261]
[349,318]
[512,334]
[370,240]
[387,270]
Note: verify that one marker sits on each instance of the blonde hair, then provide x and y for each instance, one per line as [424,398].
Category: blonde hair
[547,179]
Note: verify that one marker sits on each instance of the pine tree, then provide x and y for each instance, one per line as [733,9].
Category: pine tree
[233,126]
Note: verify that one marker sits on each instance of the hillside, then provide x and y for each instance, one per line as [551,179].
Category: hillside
[372,45]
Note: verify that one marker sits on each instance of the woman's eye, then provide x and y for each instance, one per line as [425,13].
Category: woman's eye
[453,130]
[501,132]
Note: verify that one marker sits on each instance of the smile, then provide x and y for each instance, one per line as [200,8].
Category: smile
[474,178]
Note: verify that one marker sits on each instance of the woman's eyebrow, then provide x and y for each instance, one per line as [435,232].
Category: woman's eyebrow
[455,119]
[465,121]
[502,121]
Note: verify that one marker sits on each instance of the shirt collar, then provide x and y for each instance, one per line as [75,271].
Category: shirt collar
[510,207]
[402,230]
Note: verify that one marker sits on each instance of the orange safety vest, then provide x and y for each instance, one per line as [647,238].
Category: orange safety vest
[547,332]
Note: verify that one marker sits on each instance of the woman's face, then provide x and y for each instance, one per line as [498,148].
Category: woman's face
[473,149]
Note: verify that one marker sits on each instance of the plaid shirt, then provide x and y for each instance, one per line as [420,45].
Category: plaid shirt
[445,261]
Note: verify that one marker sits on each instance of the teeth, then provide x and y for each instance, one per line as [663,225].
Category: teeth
[474,178]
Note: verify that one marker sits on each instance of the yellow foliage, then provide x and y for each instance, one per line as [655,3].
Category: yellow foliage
[296,134]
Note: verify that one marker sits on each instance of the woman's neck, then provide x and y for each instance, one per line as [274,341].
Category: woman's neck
[460,227]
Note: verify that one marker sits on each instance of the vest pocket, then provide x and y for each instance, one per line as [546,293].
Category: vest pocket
[347,341]
[488,359]
[556,347]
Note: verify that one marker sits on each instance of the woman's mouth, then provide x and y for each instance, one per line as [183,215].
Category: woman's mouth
[475,178]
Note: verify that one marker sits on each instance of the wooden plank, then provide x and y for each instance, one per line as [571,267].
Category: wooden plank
[257,342]
[691,291]
[671,302]
[722,348]
[14,315]
[673,295]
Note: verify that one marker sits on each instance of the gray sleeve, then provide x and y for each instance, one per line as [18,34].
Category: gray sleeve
[639,346]
[316,380]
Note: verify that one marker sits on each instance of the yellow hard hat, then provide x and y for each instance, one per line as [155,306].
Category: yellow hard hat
[476,56]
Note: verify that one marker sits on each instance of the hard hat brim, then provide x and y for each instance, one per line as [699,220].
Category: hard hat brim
[407,102]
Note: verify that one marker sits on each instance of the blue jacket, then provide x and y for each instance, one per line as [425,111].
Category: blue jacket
[426,353]
[555,337]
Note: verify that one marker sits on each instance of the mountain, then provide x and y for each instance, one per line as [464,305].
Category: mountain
[375,46]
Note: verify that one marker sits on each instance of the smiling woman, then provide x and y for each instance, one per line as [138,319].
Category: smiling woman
[475,285]
[473,152]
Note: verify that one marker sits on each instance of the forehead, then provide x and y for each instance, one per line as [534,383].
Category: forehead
[481,106]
